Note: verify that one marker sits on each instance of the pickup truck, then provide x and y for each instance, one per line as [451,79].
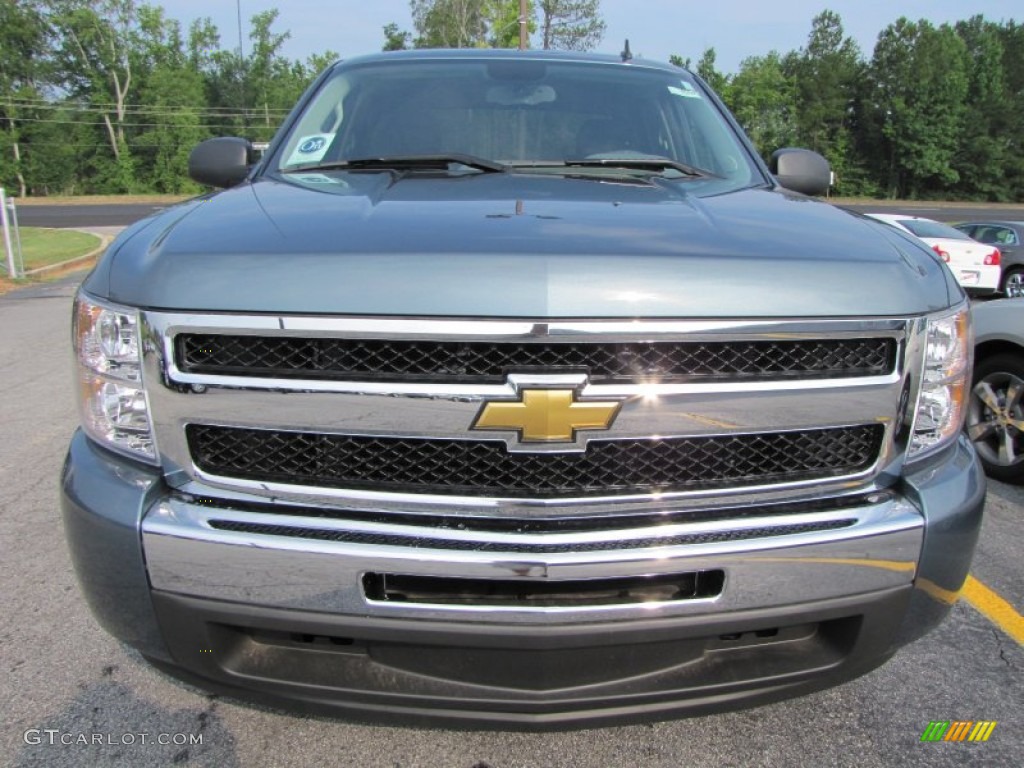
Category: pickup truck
[514,389]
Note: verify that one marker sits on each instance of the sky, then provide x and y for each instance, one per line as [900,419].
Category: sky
[656,28]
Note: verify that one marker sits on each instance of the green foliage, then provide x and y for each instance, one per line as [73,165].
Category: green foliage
[502,18]
[571,25]
[111,95]
[919,86]
[449,23]
[762,98]
[461,24]
[396,39]
[706,69]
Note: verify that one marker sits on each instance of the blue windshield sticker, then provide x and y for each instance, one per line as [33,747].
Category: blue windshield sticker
[311,149]
[311,146]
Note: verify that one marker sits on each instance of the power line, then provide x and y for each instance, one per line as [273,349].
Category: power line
[116,125]
[144,110]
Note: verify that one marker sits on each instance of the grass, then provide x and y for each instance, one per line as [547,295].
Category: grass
[100,199]
[42,247]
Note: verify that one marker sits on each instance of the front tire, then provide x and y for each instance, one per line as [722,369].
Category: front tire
[995,416]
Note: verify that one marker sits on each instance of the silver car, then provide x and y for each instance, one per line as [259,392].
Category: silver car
[995,413]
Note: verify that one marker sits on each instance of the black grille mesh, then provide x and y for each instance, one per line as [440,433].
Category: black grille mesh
[486,467]
[477,361]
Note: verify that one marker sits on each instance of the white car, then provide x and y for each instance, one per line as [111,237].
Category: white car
[976,266]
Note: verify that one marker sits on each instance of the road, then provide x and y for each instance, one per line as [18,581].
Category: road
[122,214]
[945,211]
[100,215]
[65,675]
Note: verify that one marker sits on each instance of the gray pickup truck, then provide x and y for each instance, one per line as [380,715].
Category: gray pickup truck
[514,389]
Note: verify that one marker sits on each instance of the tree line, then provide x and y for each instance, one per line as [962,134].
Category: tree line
[110,96]
[937,112]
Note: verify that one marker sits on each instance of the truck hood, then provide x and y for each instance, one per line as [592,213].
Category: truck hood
[517,245]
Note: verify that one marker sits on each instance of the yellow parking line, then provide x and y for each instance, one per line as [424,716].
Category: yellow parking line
[994,608]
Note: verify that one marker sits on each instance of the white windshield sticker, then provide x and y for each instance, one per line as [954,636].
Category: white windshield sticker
[685,89]
[311,149]
[317,178]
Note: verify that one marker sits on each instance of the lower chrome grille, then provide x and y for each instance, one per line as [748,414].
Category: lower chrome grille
[486,467]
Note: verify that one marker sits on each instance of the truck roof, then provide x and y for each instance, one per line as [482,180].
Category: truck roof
[495,54]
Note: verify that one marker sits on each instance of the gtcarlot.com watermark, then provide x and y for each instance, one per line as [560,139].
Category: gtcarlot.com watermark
[54,737]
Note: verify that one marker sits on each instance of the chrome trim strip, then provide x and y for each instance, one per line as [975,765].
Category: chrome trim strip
[185,554]
[168,324]
[487,506]
[427,503]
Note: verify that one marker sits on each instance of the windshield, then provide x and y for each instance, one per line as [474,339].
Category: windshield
[933,229]
[528,114]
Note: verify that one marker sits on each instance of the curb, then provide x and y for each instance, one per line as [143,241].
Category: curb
[105,241]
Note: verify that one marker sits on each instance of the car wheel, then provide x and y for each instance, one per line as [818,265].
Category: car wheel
[1013,284]
[995,416]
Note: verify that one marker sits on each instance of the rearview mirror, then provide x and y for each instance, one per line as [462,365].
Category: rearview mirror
[801,170]
[221,162]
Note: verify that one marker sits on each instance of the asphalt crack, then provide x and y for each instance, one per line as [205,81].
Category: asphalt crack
[1002,648]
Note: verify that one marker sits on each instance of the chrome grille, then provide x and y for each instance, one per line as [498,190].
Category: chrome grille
[486,467]
[490,361]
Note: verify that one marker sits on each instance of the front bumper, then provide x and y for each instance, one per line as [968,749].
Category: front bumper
[284,618]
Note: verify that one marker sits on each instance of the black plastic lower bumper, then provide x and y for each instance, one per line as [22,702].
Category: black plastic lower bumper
[485,676]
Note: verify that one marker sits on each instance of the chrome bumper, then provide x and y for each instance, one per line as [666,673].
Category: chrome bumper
[771,561]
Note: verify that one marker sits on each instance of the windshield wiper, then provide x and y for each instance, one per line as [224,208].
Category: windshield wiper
[405,163]
[656,165]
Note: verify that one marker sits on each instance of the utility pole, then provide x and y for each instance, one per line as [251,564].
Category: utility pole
[241,68]
[524,39]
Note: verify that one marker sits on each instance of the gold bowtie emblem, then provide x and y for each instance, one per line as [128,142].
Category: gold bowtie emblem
[547,415]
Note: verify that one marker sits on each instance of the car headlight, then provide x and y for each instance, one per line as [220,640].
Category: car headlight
[111,398]
[945,382]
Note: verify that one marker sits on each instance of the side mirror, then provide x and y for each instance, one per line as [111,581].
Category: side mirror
[221,162]
[801,170]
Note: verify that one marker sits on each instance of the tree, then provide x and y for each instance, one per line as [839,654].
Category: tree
[1011,34]
[23,50]
[762,97]
[395,40]
[449,23]
[171,95]
[710,74]
[825,74]
[503,22]
[571,25]
[983,155]
[919,85]
[95,62]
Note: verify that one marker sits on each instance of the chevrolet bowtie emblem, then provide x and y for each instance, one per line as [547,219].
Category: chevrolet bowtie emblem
[547,415]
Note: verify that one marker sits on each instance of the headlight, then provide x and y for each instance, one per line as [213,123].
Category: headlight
[111,399]
[945,381]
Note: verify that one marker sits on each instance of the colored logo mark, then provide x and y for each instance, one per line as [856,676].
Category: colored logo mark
[958,730]
[312,145]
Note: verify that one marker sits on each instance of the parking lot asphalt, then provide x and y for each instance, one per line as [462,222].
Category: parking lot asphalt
[66,681]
